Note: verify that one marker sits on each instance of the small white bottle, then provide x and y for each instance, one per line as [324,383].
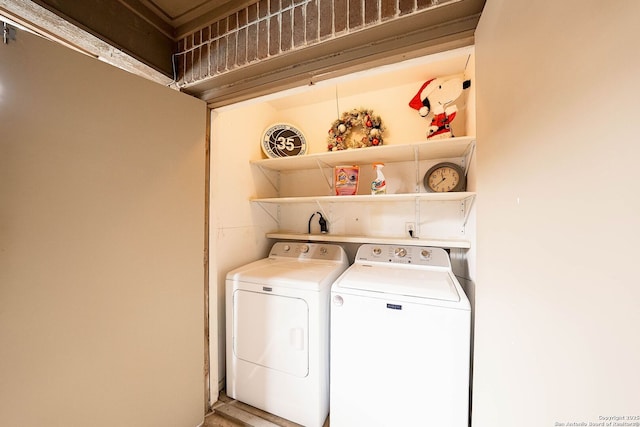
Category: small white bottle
[378,185]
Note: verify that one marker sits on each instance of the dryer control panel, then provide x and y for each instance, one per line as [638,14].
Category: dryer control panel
[418,255]
[315,251]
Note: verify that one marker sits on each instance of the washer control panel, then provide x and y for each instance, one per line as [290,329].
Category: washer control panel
[307,251]
[419,255]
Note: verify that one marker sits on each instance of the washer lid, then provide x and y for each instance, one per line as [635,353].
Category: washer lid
[414,282]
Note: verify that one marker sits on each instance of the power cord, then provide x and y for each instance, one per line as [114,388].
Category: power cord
[322,221]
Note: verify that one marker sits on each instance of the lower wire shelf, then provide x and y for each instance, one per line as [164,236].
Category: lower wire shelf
[441,243]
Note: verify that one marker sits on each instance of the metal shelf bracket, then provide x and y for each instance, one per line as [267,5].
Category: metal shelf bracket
[467,156]
[275,218]
[416,167]
[465,209]
[275,185]
[328,179]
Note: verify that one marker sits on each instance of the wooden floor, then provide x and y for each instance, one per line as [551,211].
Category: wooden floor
[227,412]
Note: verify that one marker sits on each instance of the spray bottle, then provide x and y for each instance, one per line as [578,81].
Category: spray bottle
[378,185]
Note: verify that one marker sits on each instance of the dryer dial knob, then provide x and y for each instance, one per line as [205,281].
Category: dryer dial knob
[286,248]
[304,249]
[401,252]
[426,254]
[377,251]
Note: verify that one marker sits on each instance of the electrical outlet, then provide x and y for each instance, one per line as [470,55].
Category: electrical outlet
[410,229]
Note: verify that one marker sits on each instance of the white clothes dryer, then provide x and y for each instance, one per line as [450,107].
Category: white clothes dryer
[277,314]
[400,340]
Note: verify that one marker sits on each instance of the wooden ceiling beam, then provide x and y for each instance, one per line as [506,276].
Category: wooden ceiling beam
[119,26]
[53,27]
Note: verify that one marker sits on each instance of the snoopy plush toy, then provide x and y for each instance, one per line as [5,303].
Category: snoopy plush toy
[436,96]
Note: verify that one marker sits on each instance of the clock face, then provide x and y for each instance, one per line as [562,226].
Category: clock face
[283,140]
[445,177]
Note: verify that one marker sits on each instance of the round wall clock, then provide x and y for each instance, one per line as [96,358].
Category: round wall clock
[283,140]
[445,177]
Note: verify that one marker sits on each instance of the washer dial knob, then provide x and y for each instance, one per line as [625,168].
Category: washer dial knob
[400,252]
[304,249]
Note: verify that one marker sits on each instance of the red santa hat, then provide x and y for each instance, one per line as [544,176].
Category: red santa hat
[421,103]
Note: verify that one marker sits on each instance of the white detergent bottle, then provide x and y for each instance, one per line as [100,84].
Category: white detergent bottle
[378,185]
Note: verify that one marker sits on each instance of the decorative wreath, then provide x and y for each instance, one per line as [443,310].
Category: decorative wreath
[341,130]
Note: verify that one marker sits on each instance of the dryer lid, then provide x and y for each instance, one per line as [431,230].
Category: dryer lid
[307,274]
[414,282]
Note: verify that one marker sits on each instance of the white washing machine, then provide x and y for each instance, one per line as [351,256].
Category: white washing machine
[400,340]
[277,313]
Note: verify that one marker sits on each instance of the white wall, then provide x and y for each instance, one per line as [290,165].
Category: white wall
[237,228]
[558,206]
[101,243]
